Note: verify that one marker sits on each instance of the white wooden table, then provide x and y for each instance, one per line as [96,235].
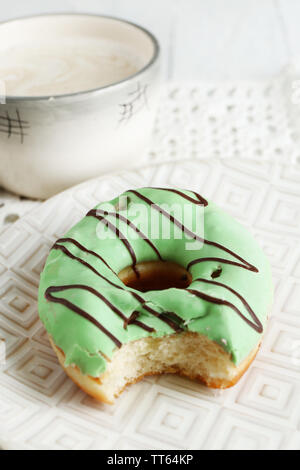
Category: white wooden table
[201,39]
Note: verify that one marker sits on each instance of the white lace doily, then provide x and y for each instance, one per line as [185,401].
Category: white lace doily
[242,120]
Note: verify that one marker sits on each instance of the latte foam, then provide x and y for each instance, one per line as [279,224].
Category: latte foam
[62,66]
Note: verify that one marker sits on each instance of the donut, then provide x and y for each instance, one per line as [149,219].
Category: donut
[157,280]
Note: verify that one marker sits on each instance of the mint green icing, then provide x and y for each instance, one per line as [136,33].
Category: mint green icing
[87,346]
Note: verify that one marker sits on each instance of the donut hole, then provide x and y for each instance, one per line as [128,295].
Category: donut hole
[216,272]
[155,275]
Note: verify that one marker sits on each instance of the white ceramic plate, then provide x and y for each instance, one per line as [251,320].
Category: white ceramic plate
[41,408]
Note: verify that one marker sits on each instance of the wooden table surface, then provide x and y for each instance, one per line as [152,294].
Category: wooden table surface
[201,39]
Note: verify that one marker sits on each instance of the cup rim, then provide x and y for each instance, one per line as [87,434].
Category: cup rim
[154,58]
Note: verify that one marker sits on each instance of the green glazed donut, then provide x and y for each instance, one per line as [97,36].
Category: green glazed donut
[209,330]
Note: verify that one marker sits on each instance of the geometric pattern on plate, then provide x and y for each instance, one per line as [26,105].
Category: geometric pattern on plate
[41,408]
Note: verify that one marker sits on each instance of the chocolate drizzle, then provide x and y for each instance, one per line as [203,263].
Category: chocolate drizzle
[140,299]
[194,236]
[132,320]
[256,325]
[113,228]
[78,310]
[83,248]
[68,253]
[200,200]
[102,214]
[170,318]
[127,321]
[242,264]
[246,265]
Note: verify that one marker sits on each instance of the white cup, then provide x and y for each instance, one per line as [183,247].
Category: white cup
[49,143]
